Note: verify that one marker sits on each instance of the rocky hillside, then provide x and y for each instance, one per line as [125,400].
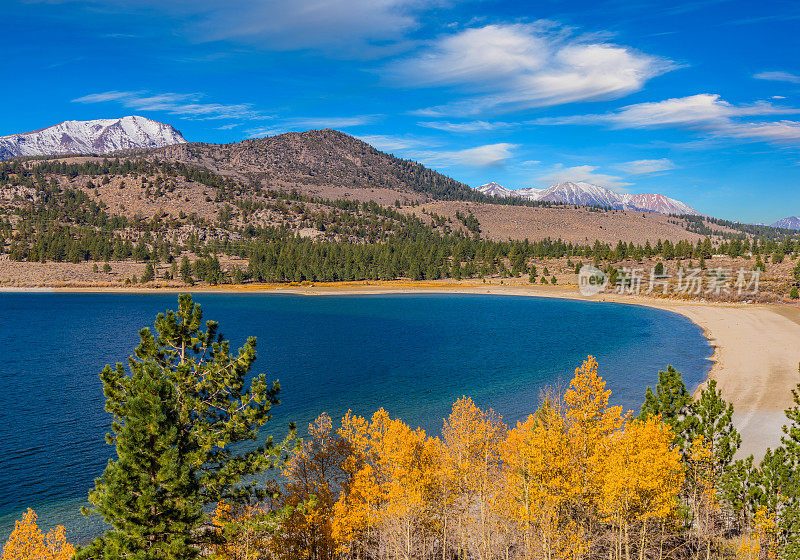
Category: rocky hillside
[328,162]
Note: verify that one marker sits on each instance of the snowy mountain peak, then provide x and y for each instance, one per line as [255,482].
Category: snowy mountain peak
[792,222]
[582,193]
[495,189]
[98,136]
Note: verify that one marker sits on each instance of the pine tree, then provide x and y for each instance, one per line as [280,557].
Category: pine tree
[672,402]
[714,422]
[176,415]
[186,271]
[149,273]
[789,517]
[149,494]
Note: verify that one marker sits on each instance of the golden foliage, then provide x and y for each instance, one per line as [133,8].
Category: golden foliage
[27,542]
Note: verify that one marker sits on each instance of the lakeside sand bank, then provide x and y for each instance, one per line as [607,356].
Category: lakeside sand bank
[756,346]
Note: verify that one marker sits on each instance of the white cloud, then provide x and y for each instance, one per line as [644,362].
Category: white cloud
[516,66]
[468,126]
[351,27]
[778,76]
[645,166]
[332,122]
[388,143]
[705,112]
[490,155]
[779,131]
[587,173]
[301,124]
[690,111]
[184,105]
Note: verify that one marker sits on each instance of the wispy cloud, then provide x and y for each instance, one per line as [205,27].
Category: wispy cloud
[588,173]
[778,76]
[467,126]
[516,66]
[706,112]
[353,28]
[300,124]
[489,155]
[388,143]
[185,105]
[646,166]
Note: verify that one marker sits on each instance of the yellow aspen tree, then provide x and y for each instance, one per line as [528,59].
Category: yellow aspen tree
[472,439]
[27,542]
[640,476]
[385,506]
[590,421]
[539,483]
[354,517]
[244,531]
[315,473]
[701,490]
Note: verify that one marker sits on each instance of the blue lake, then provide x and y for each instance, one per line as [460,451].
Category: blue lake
[411,354]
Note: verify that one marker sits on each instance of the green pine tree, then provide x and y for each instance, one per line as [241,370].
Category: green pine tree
[149,274]
[673,403]
[177,413]
[714,423]
[149,494]
[789,515]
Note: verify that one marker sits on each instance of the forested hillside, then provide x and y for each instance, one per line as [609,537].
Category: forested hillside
[323,206]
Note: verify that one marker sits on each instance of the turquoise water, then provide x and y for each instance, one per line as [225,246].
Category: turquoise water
[411,354]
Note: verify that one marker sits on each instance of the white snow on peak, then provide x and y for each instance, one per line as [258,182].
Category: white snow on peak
[98,136]
[582,193]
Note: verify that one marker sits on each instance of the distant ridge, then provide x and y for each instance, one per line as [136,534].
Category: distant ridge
[99,136]
[586,194]
[792,222]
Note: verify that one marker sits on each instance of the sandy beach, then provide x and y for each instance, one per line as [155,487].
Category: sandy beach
[756,346]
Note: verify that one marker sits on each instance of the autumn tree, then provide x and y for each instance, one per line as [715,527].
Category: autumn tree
[383,511]
[539,484]
[640,475]
[471,465]
[27,542]
[589,422]
[315,476]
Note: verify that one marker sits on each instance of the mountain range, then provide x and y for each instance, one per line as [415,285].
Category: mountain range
[792,222]
[586,194]
[99,136]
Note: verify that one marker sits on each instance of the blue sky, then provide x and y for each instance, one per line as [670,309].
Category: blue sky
[696,99]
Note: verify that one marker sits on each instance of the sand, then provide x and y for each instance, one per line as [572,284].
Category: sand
[757,349]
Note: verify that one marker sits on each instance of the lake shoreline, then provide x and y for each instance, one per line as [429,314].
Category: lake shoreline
[755,360]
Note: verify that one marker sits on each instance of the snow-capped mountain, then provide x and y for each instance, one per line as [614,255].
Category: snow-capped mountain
[653,202]
[792,222]
[98,136]
[586,194]
[493,189]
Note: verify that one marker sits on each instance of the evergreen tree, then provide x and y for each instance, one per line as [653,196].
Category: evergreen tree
[186,271]
[672,402]
[149,494]
[177,414]
[149,273]
[789,517]
[714,423]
